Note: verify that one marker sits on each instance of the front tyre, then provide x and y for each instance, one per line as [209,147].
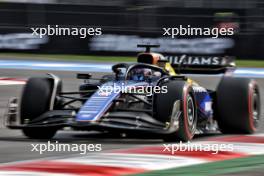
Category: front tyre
[36,97]
[39,133]
[164,102]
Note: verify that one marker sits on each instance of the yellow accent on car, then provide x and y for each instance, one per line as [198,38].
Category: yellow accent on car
[171,71]
[169,68]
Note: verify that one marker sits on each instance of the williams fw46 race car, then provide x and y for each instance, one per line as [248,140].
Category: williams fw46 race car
[143,97]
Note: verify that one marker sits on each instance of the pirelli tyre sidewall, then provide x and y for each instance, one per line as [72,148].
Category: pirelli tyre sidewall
[237,105]
[163,106]
[35,101]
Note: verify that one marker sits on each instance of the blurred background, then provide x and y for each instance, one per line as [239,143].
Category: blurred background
[126,23]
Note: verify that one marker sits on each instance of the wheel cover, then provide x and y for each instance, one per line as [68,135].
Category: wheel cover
[190,113]
[256,108]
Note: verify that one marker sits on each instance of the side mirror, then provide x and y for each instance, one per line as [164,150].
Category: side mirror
[84,75]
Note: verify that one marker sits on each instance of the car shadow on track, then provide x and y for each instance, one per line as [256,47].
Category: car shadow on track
[100,137]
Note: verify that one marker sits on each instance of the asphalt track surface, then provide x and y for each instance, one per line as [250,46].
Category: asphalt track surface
[15,147]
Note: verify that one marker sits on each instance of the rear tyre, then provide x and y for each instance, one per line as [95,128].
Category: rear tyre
[164,102]
[237,105]
[35,101]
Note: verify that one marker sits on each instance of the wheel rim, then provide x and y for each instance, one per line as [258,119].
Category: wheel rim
[190,113]
[255,104]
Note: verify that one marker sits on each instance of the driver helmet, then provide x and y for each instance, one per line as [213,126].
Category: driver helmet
[140,74]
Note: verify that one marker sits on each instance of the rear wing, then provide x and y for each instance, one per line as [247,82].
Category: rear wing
[202,64]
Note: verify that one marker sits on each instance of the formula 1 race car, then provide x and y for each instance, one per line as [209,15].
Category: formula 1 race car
[147,96]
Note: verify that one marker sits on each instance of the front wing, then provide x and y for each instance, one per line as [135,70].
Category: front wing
[111,121]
